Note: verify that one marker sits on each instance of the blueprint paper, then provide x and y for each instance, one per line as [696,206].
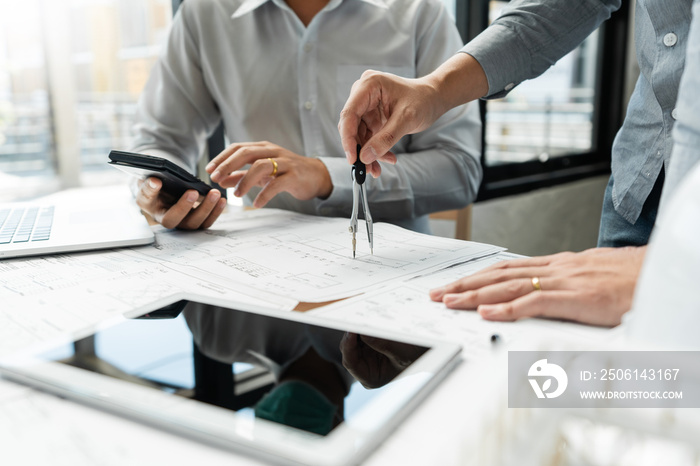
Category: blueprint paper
[406,307]
[266,259]
[44,299]
[305,257]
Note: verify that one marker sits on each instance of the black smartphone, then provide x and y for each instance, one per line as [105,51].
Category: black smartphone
[176,180]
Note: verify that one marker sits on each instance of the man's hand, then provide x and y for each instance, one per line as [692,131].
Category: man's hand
[382,107]
[303,177]
[594,287]
[374,362]
[187,213]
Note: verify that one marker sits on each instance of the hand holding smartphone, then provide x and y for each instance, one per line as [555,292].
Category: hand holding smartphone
[176,180]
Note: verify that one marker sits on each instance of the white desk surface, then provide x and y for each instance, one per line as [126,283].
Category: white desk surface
[38,428]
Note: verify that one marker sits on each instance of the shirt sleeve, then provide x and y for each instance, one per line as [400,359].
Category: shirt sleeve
[176,112]
[686,131]
[531,35]
[437,169]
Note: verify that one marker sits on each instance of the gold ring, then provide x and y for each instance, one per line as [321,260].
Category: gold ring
[536,284]
[274,167]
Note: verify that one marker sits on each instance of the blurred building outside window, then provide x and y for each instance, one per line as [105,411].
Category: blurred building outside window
[549,116]
[71,72]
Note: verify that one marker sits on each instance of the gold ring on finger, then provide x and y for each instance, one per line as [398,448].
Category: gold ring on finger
[274,167]
[536,284]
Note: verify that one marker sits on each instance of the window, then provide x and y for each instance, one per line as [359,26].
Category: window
[26,140]
[70,75]
[551,116]
[560,126]
[71,72]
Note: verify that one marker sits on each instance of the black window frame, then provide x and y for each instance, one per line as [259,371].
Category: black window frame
[472,17]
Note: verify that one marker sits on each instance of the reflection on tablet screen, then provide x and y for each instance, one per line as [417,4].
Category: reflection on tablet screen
[305,376]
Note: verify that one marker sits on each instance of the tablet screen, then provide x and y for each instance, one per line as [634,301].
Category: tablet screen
[304,376]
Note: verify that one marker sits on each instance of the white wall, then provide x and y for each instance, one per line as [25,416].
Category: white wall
[545,221]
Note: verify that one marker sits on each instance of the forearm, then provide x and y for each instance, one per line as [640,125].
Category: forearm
[532,35]
[459,80]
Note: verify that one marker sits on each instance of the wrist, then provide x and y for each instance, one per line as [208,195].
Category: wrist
[459,80]
[325,184]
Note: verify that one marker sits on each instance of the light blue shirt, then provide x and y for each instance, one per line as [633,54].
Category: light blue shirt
[686,137]
[254,64]
[667,297]
[532,35]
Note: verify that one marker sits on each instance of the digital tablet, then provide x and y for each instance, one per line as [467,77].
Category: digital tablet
[284,387]
[176,180]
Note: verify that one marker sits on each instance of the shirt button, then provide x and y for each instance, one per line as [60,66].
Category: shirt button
[308,47]
[670,39]
[509,87]
[674,114]
[308,105]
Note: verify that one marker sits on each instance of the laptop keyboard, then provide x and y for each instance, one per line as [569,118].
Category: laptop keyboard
[25,224]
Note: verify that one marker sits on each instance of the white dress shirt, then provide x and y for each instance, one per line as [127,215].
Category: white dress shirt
[255,65]
[666,308]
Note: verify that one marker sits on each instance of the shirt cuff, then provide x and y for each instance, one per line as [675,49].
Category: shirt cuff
[341,196]
[504,58]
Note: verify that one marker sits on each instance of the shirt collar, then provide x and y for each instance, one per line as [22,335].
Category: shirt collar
[247,6]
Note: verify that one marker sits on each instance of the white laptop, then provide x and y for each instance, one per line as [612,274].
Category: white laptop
[74,220]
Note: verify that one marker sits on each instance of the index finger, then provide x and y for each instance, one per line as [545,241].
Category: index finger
[350,119]
[485,278]
[149,188]
[365,97]
[244,154]
[538,261]
[176,213]
[228,152]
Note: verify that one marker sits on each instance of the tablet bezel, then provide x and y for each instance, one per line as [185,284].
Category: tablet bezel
[348,443]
